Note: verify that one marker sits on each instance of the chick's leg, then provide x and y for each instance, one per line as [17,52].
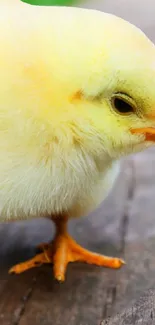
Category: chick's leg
[63,250]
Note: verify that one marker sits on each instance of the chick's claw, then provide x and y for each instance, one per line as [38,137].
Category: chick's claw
[62,251]
[36,261]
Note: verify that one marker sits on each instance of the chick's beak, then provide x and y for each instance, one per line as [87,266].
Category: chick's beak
[148,132]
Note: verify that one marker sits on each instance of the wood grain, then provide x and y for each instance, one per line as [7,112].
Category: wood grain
[141,313]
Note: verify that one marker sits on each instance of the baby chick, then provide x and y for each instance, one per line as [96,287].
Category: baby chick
[77,92]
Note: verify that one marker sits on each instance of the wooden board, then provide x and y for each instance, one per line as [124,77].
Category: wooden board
[142,312]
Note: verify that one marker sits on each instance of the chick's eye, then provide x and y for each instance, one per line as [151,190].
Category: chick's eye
[122,105]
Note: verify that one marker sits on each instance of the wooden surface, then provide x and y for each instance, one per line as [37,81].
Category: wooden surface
[141,313]
[123,226]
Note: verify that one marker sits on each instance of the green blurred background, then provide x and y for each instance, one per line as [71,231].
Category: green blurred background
[51,2]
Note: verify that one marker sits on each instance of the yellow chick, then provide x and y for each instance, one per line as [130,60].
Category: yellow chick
[77,92]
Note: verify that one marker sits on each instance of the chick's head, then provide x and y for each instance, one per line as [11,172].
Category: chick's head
[123,112]
[109,75]
[93,79]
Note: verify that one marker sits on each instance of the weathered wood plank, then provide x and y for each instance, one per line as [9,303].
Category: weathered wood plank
[141,313]
[13,297]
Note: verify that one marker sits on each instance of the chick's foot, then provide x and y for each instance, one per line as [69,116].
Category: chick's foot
[63,250]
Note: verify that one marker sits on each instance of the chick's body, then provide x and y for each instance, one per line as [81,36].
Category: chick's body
[59,137]
[48,143]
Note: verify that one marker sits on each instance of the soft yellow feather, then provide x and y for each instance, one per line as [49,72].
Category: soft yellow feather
[60,139]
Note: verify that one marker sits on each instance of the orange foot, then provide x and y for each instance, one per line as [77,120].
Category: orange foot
[62,251]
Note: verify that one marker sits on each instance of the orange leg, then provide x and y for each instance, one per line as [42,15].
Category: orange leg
[62,251]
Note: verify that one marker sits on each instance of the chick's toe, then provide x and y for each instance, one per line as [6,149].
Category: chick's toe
[63,250]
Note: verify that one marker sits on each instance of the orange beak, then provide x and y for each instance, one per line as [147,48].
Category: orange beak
[148,132]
